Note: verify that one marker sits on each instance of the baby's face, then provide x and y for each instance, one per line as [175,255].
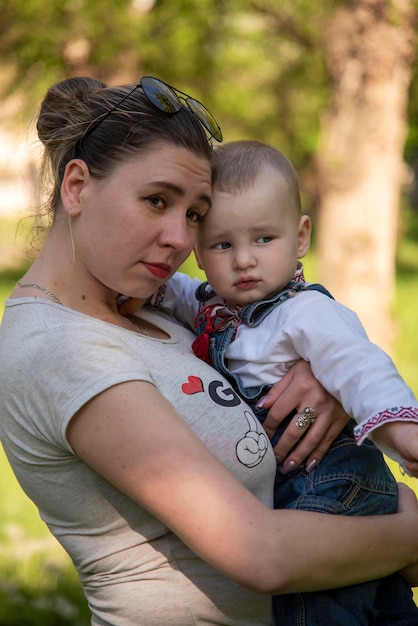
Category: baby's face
[249,242]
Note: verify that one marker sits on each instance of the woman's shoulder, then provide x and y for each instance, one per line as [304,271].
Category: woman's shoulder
[44,337]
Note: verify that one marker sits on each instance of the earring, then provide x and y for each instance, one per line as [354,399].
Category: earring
[71,236]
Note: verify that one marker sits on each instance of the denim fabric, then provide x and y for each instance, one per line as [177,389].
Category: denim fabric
[350,480]
[380,603]
[251,315]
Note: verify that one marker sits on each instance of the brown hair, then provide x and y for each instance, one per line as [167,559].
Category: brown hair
[72,106]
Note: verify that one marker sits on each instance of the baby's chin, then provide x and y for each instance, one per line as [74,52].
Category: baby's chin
[248,296]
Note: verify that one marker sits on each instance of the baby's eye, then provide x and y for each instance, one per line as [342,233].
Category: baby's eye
[224,245]
[195,216]
[265,239]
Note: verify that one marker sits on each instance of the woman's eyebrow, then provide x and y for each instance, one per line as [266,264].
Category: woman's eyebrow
[181,192]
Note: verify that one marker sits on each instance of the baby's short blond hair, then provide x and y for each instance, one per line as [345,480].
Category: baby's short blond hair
[238,164]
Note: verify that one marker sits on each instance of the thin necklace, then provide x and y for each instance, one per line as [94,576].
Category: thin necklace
[36,286]
[138,326]
[141,328]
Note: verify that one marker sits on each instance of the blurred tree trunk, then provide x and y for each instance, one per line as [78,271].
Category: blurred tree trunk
[369,48]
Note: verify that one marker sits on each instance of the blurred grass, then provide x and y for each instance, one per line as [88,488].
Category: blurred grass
[38,584]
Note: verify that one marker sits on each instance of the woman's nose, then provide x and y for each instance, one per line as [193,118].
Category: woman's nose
[178,234]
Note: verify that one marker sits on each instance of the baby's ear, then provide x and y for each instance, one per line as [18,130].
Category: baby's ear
[304,235]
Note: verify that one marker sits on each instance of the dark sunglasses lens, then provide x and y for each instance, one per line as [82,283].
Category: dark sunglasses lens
[160,95]
[205,117]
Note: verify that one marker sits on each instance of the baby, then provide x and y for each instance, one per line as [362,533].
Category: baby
[255,317]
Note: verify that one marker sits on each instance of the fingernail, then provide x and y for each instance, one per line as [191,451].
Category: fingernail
[262,402]
[278,458]
[310,466]
[288,467]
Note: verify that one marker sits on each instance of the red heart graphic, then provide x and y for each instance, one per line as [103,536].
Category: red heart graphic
[194,385]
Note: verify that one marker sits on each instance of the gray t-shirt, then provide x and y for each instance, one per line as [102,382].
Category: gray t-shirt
[134,570]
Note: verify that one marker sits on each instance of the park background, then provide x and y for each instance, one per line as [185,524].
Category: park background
[333,85]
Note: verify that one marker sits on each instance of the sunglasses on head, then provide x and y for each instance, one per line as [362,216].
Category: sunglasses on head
[169,100]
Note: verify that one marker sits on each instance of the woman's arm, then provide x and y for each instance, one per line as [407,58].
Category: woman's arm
[161,464]
[296,390]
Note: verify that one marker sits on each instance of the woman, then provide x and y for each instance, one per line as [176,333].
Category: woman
[146,466]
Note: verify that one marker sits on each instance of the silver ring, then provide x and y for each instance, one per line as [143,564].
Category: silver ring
[306,418]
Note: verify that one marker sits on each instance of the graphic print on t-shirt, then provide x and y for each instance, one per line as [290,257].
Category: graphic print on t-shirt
[251,449]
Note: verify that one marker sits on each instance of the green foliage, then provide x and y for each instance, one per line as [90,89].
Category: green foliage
[258,65]
[42,42]
[406,302]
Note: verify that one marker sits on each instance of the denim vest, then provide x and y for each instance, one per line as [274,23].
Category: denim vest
[223,330]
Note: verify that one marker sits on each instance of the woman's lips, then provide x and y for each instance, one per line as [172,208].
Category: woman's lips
[160,270]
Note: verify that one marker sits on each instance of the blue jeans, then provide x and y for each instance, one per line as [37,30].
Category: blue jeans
[387,602]
[350,480]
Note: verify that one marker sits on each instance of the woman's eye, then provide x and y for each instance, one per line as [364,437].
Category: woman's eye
[157,201]
[195,216]
[265,239]
[224,245]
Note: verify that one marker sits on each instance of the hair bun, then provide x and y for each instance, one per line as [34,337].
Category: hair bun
[66,105]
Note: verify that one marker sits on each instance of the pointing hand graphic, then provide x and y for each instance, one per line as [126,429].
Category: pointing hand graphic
[252,448]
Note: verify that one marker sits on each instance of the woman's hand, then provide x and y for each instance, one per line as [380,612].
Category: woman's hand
[297,390]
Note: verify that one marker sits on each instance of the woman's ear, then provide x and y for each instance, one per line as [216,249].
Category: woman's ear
[76,175]
[304,235]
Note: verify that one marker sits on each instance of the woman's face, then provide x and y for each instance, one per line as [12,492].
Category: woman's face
[138,225]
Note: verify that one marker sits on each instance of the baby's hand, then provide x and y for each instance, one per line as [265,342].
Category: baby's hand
[403,438]
[408,504]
